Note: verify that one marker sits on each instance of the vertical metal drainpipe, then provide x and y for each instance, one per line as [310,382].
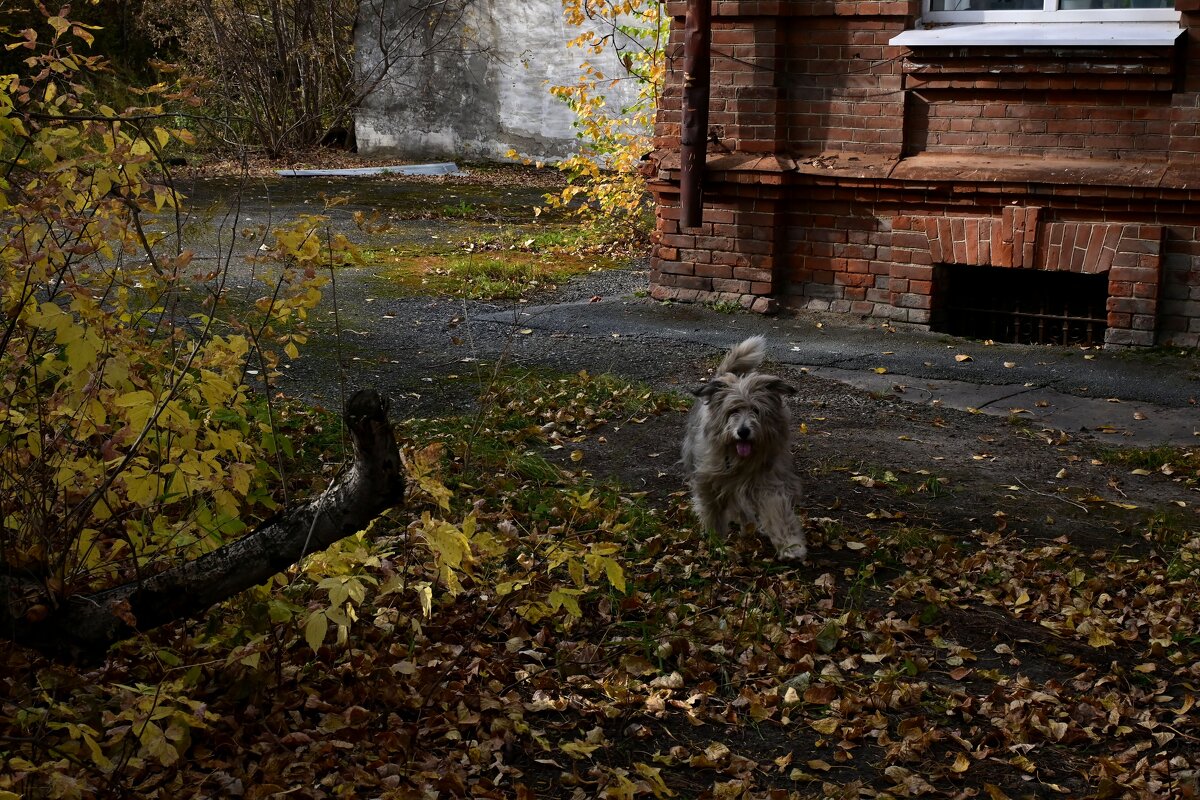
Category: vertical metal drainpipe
[693,134]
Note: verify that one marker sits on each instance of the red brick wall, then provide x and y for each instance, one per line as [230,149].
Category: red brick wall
[842,85]
[846,169]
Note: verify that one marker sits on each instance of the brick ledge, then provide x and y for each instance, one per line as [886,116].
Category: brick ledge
[774,169]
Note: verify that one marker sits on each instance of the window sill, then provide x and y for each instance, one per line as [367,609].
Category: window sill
[1046,34]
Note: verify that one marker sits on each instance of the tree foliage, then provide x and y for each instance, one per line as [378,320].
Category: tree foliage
[129,438]
[605,181]
[281,74]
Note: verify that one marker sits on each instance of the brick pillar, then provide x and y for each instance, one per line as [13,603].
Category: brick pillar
[732,257]
[1133,286]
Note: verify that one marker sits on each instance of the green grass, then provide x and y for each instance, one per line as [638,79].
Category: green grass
[1179,463]
[509,275]
[725,306]
[460,210]
[559,238]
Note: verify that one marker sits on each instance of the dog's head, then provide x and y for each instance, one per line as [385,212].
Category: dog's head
[747,413]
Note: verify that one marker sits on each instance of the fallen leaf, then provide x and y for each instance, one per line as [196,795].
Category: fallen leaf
[962,357]
[826,726]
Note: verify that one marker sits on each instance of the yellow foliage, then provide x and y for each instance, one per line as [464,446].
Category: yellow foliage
[605,171]
[125,436]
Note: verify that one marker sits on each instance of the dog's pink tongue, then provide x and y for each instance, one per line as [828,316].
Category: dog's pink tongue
[743,449]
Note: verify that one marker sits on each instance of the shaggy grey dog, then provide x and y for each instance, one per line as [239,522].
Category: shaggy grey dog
[737,452]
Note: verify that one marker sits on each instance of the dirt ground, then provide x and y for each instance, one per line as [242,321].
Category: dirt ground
[876,467]
[1037,585]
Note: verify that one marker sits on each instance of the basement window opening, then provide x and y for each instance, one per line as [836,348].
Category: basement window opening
[1020,306]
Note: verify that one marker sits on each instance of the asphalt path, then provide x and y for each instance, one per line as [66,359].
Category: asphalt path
[605,321]
[1134,396]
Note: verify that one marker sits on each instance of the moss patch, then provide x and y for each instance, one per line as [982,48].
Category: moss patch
[480,275]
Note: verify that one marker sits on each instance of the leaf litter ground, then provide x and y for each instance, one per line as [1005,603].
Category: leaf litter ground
[990,610]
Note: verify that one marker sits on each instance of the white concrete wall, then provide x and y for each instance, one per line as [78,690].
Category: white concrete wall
[485,93]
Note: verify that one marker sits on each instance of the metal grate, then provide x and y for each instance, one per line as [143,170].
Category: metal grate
[1023,306]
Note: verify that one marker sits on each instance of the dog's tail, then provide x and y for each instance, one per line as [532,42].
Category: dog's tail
[745,356]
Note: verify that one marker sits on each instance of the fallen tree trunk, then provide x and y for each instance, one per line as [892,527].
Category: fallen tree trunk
[84,627]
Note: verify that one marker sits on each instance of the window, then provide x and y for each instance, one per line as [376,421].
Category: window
[1004,23]
[942,11]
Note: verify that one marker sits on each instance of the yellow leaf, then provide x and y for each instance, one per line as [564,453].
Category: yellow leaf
[156,744]
[578,749]
[576,455]
[315,629]
[961,763]
[615,575]
[565,599]
[826,726]
[962,357]
[880,370]
[134,399]
[653,776]
[425,596]
[84,35]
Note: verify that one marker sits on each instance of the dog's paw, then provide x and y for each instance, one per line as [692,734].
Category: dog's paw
[793,552]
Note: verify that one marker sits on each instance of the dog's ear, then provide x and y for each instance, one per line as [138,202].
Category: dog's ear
[709,389]
[781,386]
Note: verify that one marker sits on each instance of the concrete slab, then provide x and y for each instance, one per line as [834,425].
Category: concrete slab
[1135,423]
[446,168]
[1137,398]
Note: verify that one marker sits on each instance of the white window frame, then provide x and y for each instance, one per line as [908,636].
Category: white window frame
[1049,13]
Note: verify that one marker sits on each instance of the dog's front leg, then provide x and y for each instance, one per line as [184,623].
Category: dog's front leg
[714,521]
[779,523]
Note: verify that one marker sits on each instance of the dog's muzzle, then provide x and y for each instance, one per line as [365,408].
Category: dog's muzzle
[743,444]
